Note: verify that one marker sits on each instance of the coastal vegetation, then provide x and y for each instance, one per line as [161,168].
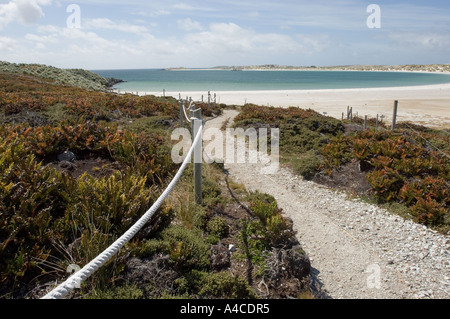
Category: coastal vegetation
[70,77]
[407,169]
[79,166]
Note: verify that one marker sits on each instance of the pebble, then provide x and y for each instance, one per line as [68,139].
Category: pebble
[419,254]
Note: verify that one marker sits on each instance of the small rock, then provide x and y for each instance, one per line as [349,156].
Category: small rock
[67,156]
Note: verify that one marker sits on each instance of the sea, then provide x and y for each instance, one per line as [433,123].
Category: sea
[192,80]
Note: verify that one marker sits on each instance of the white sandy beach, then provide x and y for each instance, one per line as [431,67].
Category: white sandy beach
[427,105]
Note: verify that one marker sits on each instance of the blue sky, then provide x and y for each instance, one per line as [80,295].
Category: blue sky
[171,33]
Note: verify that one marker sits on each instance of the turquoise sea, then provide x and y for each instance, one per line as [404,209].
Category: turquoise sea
[157,80]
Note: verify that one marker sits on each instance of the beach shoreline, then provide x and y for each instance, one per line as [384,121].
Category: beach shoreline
[427,105]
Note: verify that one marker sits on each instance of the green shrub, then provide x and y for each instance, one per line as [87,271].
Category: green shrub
[127,292]
[215,285]
[308,165]
[186,248]
[32,201]
[200,218]
[218,226]
[110,205]
[211,193]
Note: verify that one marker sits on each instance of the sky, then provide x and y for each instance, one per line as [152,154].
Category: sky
[135,34]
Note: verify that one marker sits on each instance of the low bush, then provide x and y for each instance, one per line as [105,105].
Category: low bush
[221,285]
[402,167]
[308,165]
[217,228]
[186,248]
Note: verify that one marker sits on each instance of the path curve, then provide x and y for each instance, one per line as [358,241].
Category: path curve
[358,251]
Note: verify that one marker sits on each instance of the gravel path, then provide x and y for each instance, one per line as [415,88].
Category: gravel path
[358,251]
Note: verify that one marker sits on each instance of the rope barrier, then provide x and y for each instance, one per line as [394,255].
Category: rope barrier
[187,117]
[74,281]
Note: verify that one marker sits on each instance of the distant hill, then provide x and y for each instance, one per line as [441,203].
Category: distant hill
[72,77]
[408,68]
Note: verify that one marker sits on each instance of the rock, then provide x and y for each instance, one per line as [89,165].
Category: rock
[220,257]
[67,156]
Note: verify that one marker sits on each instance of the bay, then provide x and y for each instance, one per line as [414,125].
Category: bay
[157,80]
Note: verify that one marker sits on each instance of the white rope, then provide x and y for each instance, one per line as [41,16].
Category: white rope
[187,117]
[190,105]
[74,281]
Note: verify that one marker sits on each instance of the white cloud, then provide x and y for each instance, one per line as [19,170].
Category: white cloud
[183,6]
[48,29]
[420,40]
[52,38]
[189,25]
[24,11]
[7,44]
[104,23]
[231,38]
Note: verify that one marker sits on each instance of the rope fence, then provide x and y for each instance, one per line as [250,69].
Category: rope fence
[185,114]
[75,280]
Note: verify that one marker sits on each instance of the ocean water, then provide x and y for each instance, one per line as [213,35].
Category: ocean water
[157,80]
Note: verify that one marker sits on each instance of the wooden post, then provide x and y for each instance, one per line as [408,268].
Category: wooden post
[394,117]
[376,127]
[365,122]
[197,124]
[342,116]
[351,114]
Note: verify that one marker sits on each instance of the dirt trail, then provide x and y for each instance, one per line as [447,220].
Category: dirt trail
[353,246]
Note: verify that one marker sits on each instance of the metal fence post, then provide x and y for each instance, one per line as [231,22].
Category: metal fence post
[197,124]
[181,113]
[209,99]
